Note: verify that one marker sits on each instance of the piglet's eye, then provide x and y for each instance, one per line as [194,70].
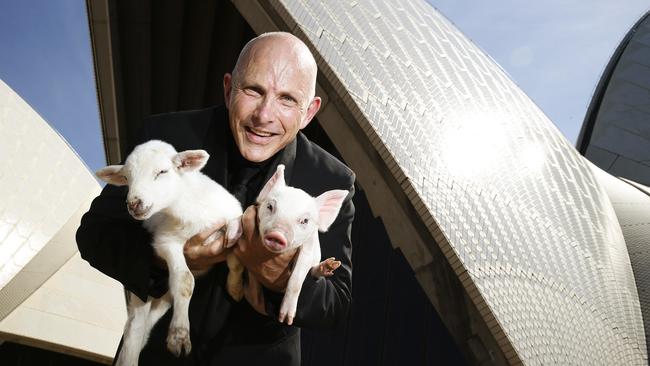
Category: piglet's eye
[304,221]
[269,206]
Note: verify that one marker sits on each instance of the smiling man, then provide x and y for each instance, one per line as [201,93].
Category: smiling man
[270,95]
[269,98]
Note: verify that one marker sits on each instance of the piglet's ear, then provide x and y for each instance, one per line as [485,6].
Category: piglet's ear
[112,174]
[277,180]
[329,204]
[190,160]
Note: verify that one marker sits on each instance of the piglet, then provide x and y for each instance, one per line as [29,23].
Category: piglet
[290,219]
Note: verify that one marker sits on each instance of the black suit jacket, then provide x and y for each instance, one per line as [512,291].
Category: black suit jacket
[223,331]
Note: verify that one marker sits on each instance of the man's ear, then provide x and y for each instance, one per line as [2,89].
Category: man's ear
[227,88]
[190,160]
[329,205]
[277,180]
[112,174]
[312,109]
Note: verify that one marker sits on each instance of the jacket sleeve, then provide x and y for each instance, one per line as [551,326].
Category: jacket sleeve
[324,301]
[117,245]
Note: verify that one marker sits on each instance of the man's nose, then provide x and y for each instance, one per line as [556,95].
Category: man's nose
[265,110]
[134,204]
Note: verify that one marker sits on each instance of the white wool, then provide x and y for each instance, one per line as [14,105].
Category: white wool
[176,201]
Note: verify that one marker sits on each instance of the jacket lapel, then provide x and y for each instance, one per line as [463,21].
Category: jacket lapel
[214,142]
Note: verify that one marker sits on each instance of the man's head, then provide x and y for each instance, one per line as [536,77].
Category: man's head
[270,94]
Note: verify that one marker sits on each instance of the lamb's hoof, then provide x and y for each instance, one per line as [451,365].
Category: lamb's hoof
[178,339]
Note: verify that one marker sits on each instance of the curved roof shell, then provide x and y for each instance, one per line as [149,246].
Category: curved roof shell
[631,201]
[49,296]
[615,134]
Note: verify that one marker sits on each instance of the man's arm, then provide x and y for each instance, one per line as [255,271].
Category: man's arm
[324,301]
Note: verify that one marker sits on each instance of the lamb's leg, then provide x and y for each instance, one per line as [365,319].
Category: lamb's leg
[234,230]
[134,331]
[235,283]
[158,308]
[181,286]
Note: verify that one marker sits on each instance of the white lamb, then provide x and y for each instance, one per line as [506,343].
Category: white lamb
[176,201]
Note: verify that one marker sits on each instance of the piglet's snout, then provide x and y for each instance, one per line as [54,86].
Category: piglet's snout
[275,240]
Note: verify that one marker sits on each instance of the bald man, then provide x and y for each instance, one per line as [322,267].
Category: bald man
[269,98]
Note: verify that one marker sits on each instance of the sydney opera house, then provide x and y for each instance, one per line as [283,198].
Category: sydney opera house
[482,236]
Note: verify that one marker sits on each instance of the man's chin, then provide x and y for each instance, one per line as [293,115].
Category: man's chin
[258,155]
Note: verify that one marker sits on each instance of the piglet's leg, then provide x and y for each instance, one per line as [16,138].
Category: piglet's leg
[307,257]
[325,268]
[181,286]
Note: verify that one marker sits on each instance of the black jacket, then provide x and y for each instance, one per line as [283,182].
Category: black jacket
[223,331]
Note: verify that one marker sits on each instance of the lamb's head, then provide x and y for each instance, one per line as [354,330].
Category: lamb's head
[288,217]
[153,172]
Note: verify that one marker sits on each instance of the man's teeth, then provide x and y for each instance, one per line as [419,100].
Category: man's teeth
[260,133]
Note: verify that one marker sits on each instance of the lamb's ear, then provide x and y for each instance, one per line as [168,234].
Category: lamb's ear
[112,174]
[277,180]
[190,160]
[329,204]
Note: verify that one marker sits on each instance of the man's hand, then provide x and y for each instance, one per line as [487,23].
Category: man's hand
[270,269]
[206,248]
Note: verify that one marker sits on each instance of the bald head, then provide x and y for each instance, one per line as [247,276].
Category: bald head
[270,94]
[275,45]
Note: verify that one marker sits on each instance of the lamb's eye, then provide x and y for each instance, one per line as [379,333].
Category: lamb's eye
[161,172]
[304,221]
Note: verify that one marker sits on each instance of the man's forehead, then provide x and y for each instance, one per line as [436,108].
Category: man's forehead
[282,72]
[282,54]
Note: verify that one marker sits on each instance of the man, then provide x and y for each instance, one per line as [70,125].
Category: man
[269,98]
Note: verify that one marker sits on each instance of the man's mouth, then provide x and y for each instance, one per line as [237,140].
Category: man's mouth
[258,136]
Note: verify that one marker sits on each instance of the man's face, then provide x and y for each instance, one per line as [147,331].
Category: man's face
[270,102]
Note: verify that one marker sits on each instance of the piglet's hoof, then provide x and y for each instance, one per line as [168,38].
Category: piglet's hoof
[326,268]
[178,339]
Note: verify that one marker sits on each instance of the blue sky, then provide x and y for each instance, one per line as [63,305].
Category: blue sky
[45,57]
[555,50]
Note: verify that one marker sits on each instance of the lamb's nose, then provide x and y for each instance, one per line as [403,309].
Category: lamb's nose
[135,204]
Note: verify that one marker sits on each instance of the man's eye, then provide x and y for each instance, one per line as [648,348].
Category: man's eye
[252,92]
[161,172]
[304,221]
[287,99]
